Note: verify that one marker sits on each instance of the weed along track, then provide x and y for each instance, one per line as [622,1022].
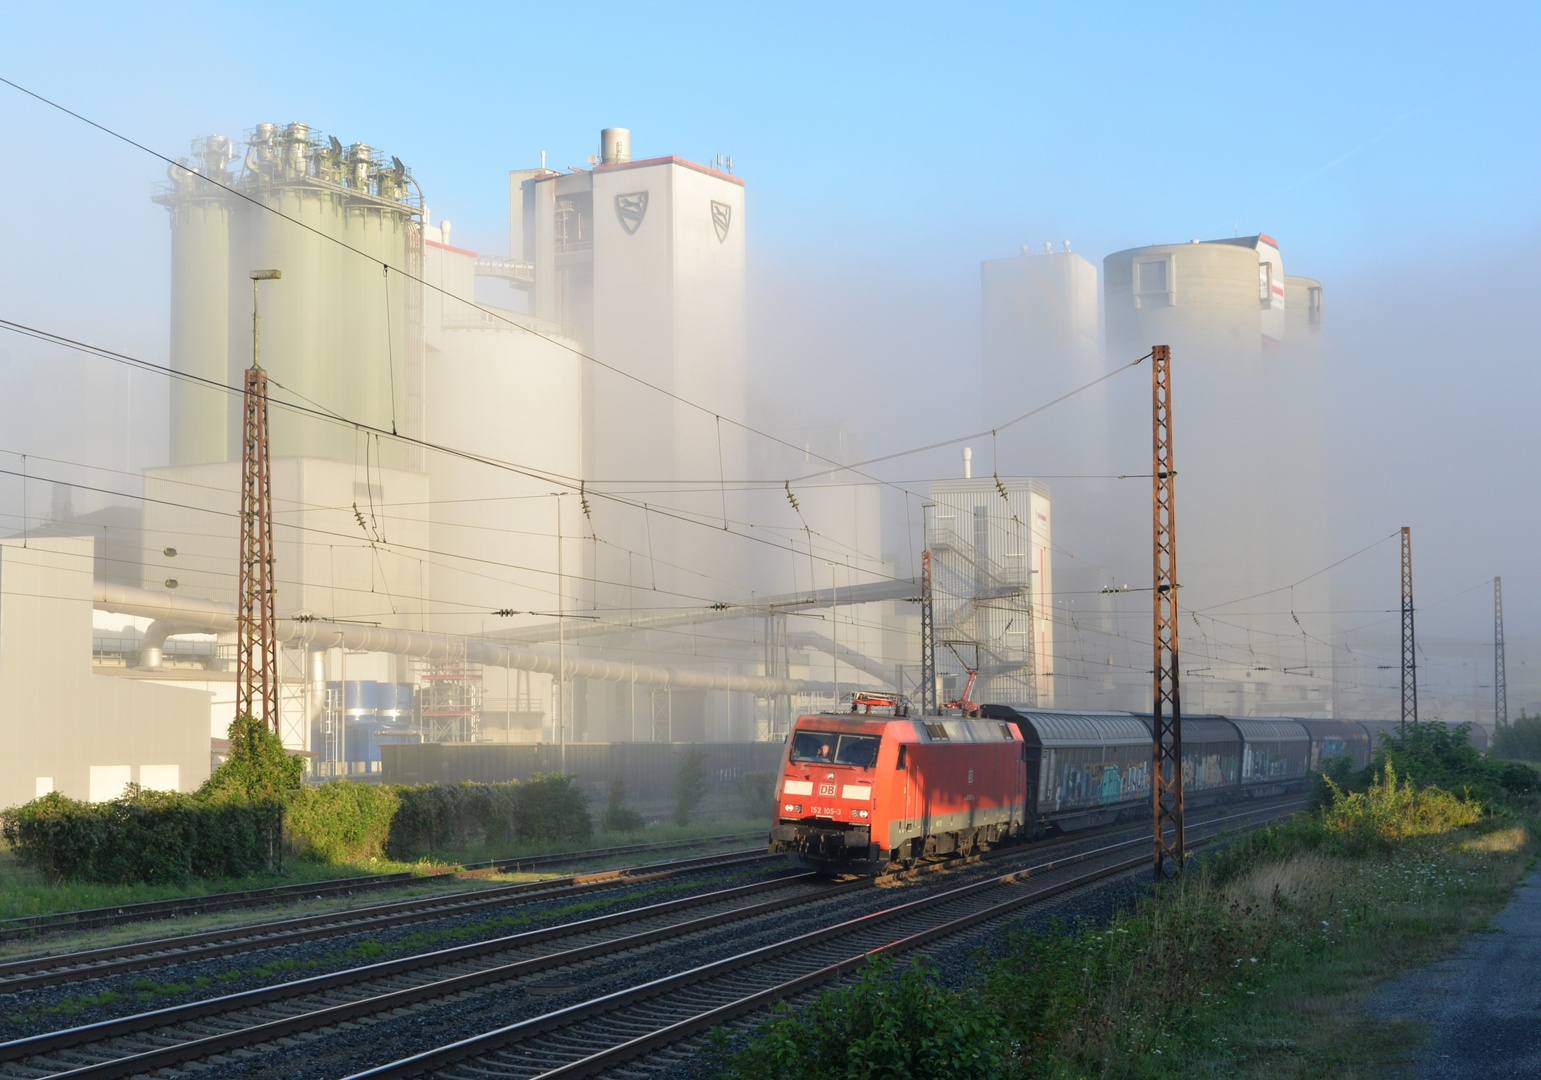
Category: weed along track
[599,973]
[606,1031]
[180,907]
[53,970]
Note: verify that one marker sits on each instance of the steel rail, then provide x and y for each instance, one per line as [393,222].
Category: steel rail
[799,949]
[52,1042]
[39,1046]
[58,968]
[87,918]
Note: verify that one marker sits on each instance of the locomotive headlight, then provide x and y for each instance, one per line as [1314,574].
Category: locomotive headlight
[859,813]
[793,808]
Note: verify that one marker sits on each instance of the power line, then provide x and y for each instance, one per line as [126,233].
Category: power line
[490,312]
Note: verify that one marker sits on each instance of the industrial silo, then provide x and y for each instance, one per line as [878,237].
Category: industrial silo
[1249,500]
[336,333]
[200,265]
[1199,298]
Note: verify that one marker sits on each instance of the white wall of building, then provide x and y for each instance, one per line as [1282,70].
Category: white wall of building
[65,729]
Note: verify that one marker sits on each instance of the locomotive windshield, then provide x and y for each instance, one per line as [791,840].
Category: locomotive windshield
[830,748]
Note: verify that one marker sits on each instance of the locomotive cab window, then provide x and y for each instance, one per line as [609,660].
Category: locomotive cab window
[830,748]
[903,759]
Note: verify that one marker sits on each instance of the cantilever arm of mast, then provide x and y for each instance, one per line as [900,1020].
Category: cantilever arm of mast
[866,593]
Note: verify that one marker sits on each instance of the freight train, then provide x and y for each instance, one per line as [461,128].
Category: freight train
[860,791]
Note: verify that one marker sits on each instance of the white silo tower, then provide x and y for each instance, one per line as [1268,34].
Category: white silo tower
[1251,508]
[337,335]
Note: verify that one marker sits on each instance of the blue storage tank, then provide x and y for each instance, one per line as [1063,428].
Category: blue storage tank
[360,697]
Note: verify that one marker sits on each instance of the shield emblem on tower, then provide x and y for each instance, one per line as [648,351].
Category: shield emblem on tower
[722,217]
[631,208]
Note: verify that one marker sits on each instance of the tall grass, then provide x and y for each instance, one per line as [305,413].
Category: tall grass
[1375,877]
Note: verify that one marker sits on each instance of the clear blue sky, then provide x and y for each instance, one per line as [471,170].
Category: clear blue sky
[1391,148]
[1343,129]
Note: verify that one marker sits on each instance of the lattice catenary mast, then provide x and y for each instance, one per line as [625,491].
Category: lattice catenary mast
[256,656]
[1409,644]
[1166,729]
[1500,691]
[927,640]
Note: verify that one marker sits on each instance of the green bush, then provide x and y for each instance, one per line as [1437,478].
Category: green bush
[1432,755]
[885,1025]
[758,792]
[552,807]
[231,827]
[1520,739]
[154,836]
[258,766]
[689,786]
[341,821]
[620,818]
[344,821]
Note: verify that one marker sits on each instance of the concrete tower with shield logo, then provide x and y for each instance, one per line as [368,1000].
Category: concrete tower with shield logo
[642,262]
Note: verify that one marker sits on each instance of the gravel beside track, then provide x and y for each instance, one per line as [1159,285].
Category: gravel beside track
[39,1010]
[640,1021]
[31,925]
[624,958]
[60,968]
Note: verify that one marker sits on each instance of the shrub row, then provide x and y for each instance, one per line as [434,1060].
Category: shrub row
[252,807]
[343,821]
[154,836]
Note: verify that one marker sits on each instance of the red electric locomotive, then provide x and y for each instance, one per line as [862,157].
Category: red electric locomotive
[860,791]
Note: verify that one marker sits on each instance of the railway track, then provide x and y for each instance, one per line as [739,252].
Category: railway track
[149,910]
[605,1032]
[59,968]
[136,1044]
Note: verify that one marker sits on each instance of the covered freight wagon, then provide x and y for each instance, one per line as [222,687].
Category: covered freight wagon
[1337,738]
[1275,754]
[1084,768]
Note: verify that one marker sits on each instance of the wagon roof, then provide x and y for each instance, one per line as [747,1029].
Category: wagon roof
[1273,729]
[1090,728]
[1349,729]
[1202,729]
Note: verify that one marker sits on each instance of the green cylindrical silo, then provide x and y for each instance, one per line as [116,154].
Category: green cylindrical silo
[200,254]
[330,337]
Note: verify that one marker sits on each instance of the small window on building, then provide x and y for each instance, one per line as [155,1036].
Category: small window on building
[160,777]
[1314,295]
[1153,283]
[1265,283]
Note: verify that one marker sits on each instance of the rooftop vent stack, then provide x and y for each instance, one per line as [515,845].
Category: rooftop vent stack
[968,463]
[614,146]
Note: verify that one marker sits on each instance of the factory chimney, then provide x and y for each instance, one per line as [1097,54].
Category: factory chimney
[614,146]
[968,463]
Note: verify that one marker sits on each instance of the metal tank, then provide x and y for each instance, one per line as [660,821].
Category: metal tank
[361,698]
[1248,515]
[614,145]
[337,335]
[200,262]
[1201,299]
